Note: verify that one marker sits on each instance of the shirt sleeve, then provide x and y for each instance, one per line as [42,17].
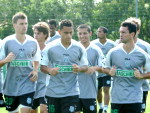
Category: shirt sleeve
[83,60]
[148,48]
[147,63]
[2,50]
[101,57]
[45,60]
[37,56]
[106,61]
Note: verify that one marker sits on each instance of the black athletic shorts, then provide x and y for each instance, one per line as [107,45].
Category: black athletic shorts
[38,101]
[126,108]
[12,102]
[62,105]
[87,106]
[104,81]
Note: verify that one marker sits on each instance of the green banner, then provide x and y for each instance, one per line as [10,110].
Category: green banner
[125,73]
[20,63]
[65,68]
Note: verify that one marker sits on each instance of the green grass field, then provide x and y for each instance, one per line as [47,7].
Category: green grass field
[2,110]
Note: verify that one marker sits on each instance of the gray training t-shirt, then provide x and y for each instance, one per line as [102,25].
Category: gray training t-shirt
[87,82]
[126,88]
[65,83]
[17,80]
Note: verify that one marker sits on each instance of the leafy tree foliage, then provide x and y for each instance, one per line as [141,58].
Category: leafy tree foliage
[108,13]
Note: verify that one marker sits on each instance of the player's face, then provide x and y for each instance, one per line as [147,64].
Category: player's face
[125,36]
[39,36]
[52,29]
[66,34]
[21,26]
[83,35]
[100,34]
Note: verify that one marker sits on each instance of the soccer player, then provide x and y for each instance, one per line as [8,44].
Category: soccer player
[22,54]
[41,33]
[146,47]
[127,71]
[62,60]
[53,33]
[104,80]
[87,81]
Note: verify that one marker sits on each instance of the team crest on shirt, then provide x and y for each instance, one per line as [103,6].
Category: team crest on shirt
[65,57]
[127,63]
[21,53]
[71,109]
[29,100]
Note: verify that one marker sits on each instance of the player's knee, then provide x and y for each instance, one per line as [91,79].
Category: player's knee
[43,108]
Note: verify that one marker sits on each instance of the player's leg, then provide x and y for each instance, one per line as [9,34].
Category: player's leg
[99,94]
[106,88]
[39,102]
[43,108]
[34,110]
[25,109]
[43,105]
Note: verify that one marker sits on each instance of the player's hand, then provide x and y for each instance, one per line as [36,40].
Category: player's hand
[112,71]
[9,57]
[33,76]
[53,71]
[137,74]
[75,68]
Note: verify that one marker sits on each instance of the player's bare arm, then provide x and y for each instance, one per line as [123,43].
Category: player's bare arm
[34,73]
[92,69]
[77,68]
[50,71]
[111,71]
[138,75]
[8,59]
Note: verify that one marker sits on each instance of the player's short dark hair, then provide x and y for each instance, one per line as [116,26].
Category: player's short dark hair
[42,27]
[52,22]
[19,15]
[67,23]
[132,27]
[84,26]
[105,30]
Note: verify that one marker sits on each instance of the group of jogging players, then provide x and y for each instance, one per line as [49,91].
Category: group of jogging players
[53,73]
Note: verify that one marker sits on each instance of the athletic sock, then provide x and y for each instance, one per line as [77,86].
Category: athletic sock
[105,108]
[100,105]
